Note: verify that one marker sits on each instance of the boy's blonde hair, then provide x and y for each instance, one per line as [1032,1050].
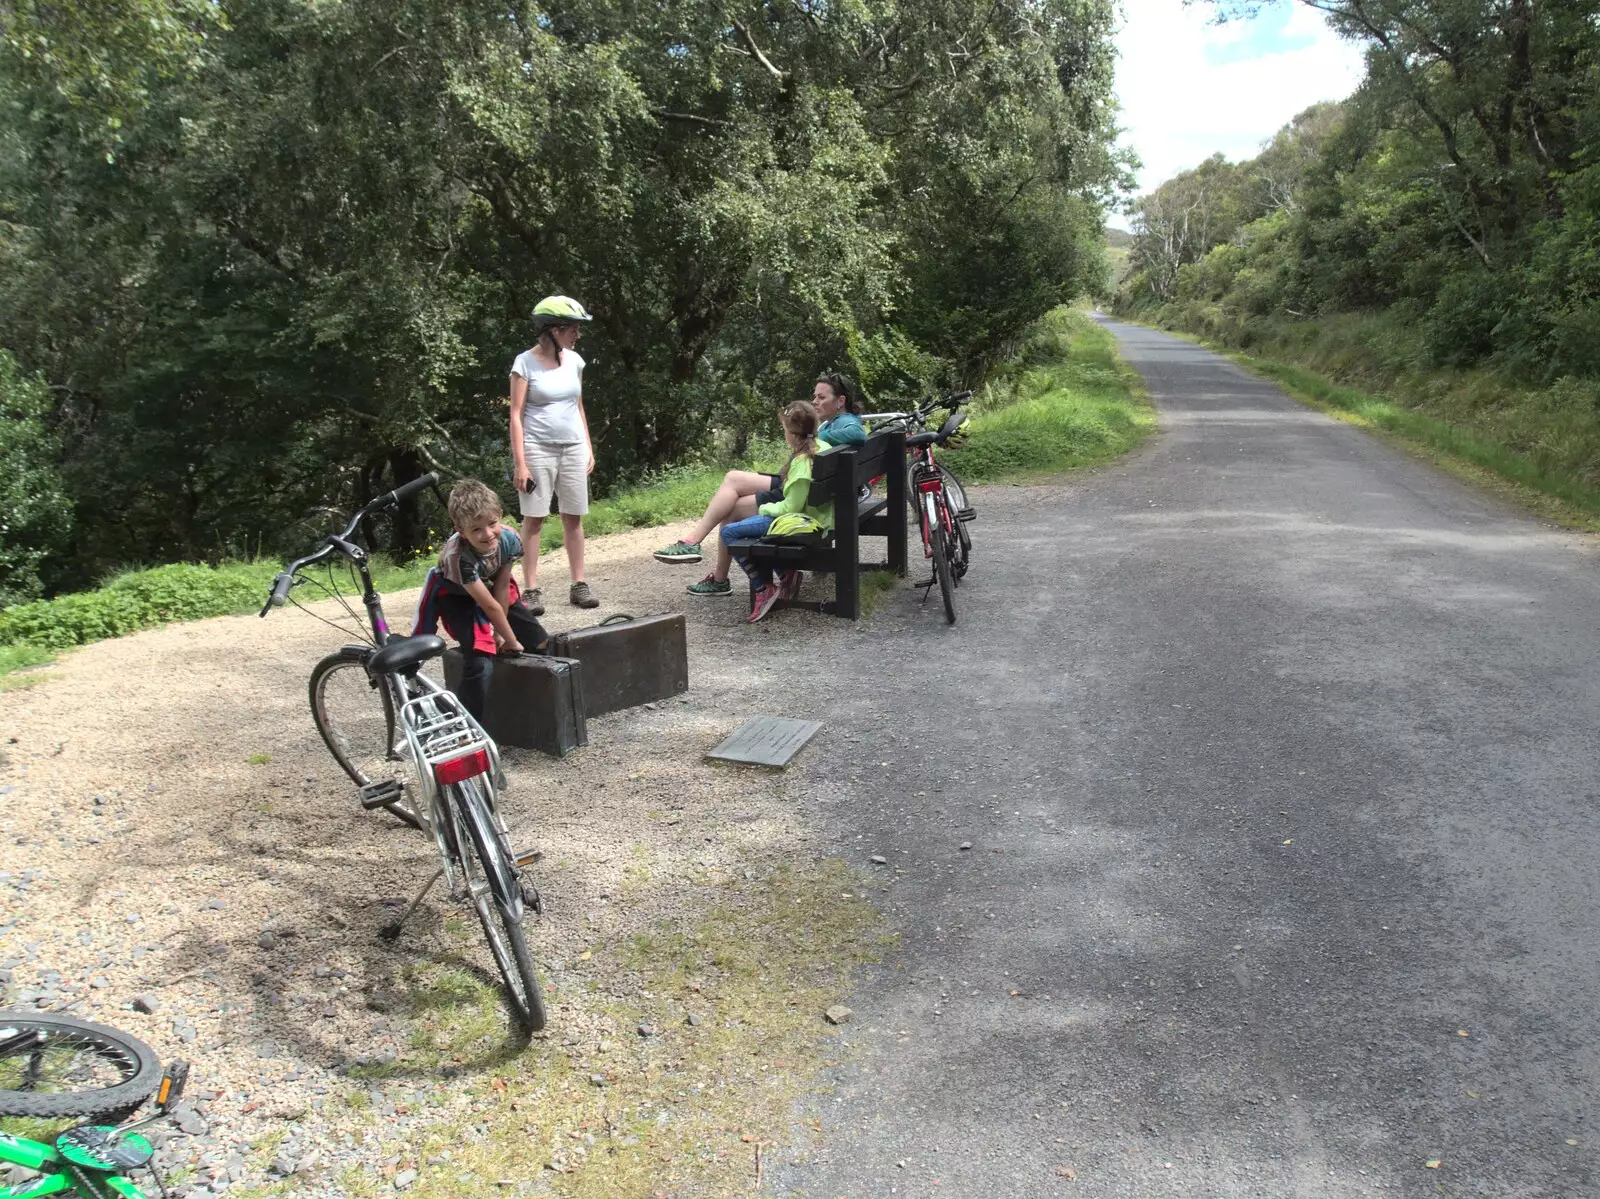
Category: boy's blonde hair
[470,498]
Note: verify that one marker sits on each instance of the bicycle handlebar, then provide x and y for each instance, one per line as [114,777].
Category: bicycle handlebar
[390,498]
[340,542]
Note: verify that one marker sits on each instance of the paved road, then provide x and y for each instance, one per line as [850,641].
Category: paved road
[1276,751]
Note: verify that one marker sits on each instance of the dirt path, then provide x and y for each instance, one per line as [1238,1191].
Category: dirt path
[171,828]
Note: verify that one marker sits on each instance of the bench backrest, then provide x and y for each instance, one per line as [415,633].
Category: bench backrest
[871,460]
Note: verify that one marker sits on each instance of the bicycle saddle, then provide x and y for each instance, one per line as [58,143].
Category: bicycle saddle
[405,653]
[917,439]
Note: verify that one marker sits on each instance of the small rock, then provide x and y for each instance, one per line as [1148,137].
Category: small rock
[598,1080]
[190,1122]
[148,1004]
[132,917]
[692,1020]
[213,905]
[966,845]
[838,1014]
[404,1179]
[648,1030]
[99,982]
[878,859]
[283,1166]
[267,940]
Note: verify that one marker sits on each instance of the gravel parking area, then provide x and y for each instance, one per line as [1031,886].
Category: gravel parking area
[180,857]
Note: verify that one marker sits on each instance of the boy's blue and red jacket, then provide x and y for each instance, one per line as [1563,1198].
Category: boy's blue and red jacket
[444,595]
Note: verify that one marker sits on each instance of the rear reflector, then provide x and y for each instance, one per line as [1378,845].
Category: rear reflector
[930,485]
[457,769]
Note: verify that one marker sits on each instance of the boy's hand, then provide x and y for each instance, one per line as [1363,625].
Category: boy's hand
[591,463]
[511,647]
[521,478]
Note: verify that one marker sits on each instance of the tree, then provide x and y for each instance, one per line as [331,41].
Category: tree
[35,515]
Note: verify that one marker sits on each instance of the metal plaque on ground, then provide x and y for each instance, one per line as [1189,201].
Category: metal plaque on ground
[766,741]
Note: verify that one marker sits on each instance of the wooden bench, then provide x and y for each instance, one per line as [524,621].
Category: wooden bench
[839,474]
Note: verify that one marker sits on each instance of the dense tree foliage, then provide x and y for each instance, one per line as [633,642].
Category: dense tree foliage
[272,255]
[1458,189]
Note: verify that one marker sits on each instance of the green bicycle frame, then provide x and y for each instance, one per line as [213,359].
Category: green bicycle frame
[74,1171]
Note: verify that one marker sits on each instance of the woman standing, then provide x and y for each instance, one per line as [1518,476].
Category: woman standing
[550,442]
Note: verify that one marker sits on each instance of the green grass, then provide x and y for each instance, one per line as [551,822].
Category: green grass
[1069,402]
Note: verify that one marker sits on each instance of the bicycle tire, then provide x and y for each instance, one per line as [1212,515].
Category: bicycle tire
[133,1064]
[497,902]
[941,566]
[359,727]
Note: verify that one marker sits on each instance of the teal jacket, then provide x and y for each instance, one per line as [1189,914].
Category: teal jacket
[844,429]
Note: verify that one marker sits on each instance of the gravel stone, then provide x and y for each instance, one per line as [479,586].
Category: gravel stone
[148,1004]
[838,1014]
[404,1179]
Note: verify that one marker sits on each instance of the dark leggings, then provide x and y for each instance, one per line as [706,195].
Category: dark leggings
[459,613]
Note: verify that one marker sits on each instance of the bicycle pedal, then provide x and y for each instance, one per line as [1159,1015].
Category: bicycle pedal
[387,791]
[528,857]
[967,514]
[531,899]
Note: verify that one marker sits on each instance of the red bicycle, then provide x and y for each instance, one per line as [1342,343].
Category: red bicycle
[937,495]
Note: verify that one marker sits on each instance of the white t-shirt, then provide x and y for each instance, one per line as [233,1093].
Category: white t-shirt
[550,410]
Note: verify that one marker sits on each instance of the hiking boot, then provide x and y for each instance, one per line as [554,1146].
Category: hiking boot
[763,600]
[710,585]
[532,602]
[678,551]
[581,597]
[789,583]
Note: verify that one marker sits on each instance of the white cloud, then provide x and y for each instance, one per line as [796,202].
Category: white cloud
[1189,89]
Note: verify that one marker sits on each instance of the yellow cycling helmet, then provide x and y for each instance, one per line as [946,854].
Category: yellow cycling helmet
[558,310]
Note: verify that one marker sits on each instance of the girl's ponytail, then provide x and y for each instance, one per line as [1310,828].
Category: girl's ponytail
[801,418]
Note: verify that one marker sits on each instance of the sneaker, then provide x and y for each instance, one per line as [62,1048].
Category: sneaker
[581,597]
[532,602]
[678,551]
[789,583]
[761,603]
[710,585]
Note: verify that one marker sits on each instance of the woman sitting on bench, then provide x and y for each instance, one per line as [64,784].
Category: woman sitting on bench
[743,491]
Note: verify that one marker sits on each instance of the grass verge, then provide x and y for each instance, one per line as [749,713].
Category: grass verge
[1068,402]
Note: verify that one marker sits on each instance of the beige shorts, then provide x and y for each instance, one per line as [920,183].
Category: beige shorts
[560,472]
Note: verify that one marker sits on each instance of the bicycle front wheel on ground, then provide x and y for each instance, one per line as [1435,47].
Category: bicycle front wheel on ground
[941,561]
[55,1066]
[493,886]
[356,718]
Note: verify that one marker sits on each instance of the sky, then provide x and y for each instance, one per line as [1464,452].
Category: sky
[1189,88]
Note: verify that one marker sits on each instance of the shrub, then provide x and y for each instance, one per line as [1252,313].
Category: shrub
[139,600]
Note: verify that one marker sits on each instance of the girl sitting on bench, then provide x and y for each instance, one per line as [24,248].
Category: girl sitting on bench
[800,431]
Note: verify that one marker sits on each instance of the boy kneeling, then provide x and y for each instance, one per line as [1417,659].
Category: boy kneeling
[472,593]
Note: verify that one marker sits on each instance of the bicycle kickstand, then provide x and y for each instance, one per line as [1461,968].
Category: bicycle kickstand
[391,931]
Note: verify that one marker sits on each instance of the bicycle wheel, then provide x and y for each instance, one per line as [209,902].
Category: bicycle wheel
[356,716]
[956,496]
[493,887]
[953,487]
[54,1066]
[941,562]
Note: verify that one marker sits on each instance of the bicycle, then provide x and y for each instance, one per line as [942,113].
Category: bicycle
[106,1074]
[391,720]
[940,499]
